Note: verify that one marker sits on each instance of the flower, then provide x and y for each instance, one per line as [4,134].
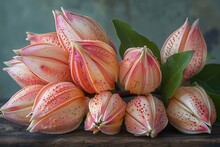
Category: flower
[140,71]
[183,39]
[20,104]
[58,108]
[46,61]
[94,66]
[72,27]
[145,116]
[191,110]
[106,113]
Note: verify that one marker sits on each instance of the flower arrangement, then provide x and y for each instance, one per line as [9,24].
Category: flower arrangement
[74,73]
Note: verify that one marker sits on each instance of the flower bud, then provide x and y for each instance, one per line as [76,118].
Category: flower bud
[183,39]
[48,62]
[94,66]
[20,104]
[74,27]
[58,108]
[191,110]
[145,116]
[106,113]
[140,71]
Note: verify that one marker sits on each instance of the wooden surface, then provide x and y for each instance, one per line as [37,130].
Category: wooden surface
[12,134]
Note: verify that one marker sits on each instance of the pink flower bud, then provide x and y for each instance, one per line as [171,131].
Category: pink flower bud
[140,71]
[191,110]
[145,116]
[72,27]
[46,61]
[94,66]
[58,108]
[183,39]
[106,113]
[20,104]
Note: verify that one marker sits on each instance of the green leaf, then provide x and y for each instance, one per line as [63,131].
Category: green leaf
[210,57]
[209,79]
[172,73]
[130,38]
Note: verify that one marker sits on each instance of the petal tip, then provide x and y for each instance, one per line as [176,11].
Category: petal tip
[16,51]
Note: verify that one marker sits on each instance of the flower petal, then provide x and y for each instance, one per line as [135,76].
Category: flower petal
[195,42]
[23,76]
[44,50]
[175,42]
[48,69]
[50,38]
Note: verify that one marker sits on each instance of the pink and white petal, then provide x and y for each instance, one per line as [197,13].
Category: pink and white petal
[64,120]
[175,42]
[86,26]
[48,69]
[195,42]
[18,116]
[23,76]
[185,121]
[22,99]
[65,32]
[44,50]
[50,38]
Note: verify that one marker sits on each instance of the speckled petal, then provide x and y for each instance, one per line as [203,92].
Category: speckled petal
[145,116]
[63,120]
[184,120]
[48,69]
[195,42]
[175,42]
[50,38]
[191,110]
[65,32]
[53,96]
[44,50]
[23,76]
[87,27]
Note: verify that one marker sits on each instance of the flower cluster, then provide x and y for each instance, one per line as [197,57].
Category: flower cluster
[59,71]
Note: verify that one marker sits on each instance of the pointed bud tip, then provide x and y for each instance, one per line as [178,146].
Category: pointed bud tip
[29,128]
[7,63]
[62,9]
[29,35]
[195,23]
[56,12]
[16,51]
[5,69]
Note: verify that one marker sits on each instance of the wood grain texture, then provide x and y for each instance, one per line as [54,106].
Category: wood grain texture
[12,134]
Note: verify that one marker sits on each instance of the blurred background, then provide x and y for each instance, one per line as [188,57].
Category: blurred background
[154,19]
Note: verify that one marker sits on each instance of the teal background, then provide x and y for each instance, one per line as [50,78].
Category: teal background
[154,19]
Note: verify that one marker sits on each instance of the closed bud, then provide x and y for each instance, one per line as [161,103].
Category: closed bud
[58,108]
[145,116]
[140,71]
[106,113]
[183,39]
[191,110]
[20,104]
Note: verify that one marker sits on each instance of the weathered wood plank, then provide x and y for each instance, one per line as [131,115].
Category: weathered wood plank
[12,134]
